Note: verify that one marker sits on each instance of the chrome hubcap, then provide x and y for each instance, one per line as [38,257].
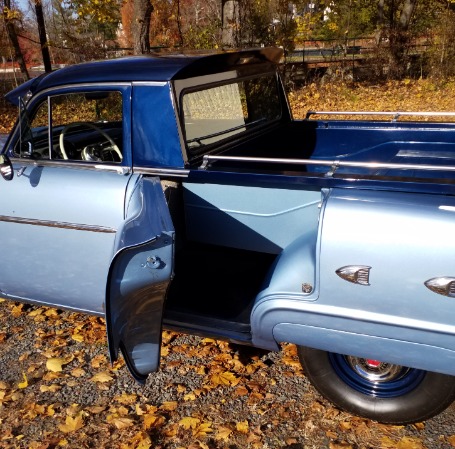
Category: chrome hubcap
[374,370]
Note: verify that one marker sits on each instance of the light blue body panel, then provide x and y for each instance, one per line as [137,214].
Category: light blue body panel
[247,217]
[70,218]
[406,239]
[139,277]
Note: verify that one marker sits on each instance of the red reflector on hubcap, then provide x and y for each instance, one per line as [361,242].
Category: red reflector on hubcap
[373,363]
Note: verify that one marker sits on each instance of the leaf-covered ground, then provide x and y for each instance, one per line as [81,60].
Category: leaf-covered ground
[408,95]
[58,390]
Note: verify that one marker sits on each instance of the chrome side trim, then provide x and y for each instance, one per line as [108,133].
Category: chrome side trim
[444,285]
[432,154]
[120,169]
[58,224]
[179,172]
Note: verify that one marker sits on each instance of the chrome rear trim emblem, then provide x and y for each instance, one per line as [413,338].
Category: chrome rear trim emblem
[357,274]
[443,285]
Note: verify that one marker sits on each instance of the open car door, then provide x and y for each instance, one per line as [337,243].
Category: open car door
[139,277]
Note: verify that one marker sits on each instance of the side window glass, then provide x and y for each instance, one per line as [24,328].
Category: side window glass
[77,126]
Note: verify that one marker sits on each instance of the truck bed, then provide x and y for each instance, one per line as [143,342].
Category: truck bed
[364,150]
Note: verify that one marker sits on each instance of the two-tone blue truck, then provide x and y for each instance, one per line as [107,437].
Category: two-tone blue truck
[179,192]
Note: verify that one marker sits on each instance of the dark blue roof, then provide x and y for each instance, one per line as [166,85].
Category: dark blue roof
[147,68]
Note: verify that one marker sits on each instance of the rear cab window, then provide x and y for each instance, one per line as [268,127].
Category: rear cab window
[214,113]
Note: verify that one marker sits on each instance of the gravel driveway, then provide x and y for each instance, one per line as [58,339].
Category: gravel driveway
[57,389]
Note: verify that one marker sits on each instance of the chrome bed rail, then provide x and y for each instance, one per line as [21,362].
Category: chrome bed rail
[333,164]
[396,115]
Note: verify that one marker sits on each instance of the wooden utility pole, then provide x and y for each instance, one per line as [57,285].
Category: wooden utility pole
[42,36]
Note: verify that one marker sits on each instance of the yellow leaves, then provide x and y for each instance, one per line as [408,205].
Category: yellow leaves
[333,445]
[77,337]
[98,361]
[11,14]
[126,398]
[223,433]
[55,364]
[189,422]
[51,388]
[224,378]
[202,430]
[451,440]
[242,426]
[403,443]
[189,397]
[139,441]
[102,376]
[16,311]
[72,423]
[199,429]
[169,406]
[120,422]
[78,372]
[24,383]
[152,420]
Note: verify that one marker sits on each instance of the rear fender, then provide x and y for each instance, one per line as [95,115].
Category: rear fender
[377,259]
[293,277]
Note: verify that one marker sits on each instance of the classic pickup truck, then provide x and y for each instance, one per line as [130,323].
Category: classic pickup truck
[178,191]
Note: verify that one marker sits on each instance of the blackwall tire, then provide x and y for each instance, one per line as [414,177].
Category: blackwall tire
[403,396]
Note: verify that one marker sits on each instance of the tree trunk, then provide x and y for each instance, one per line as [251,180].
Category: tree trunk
[142,11]
[10,28]
[230,18]
[397,33]
[400,40]
[42,36]
[406,13]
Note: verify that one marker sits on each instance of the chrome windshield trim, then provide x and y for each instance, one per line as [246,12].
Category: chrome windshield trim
[58,224]
[178,172]
[150,83]
[108,84]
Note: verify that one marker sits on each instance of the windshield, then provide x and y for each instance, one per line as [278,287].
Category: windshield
[215,113]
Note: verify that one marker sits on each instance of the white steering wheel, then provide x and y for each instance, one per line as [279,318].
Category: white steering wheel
[112,147]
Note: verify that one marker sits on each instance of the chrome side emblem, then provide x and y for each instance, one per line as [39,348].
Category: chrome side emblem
[357,274]
[443,285]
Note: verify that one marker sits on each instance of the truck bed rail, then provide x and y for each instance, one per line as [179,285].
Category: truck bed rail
[396,115]
[333,164]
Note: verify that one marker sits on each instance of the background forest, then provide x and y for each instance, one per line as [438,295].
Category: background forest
[400,38]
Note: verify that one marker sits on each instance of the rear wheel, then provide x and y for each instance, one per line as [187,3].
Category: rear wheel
[377,390]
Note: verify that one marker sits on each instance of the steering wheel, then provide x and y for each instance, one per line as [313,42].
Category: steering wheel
[112,147]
